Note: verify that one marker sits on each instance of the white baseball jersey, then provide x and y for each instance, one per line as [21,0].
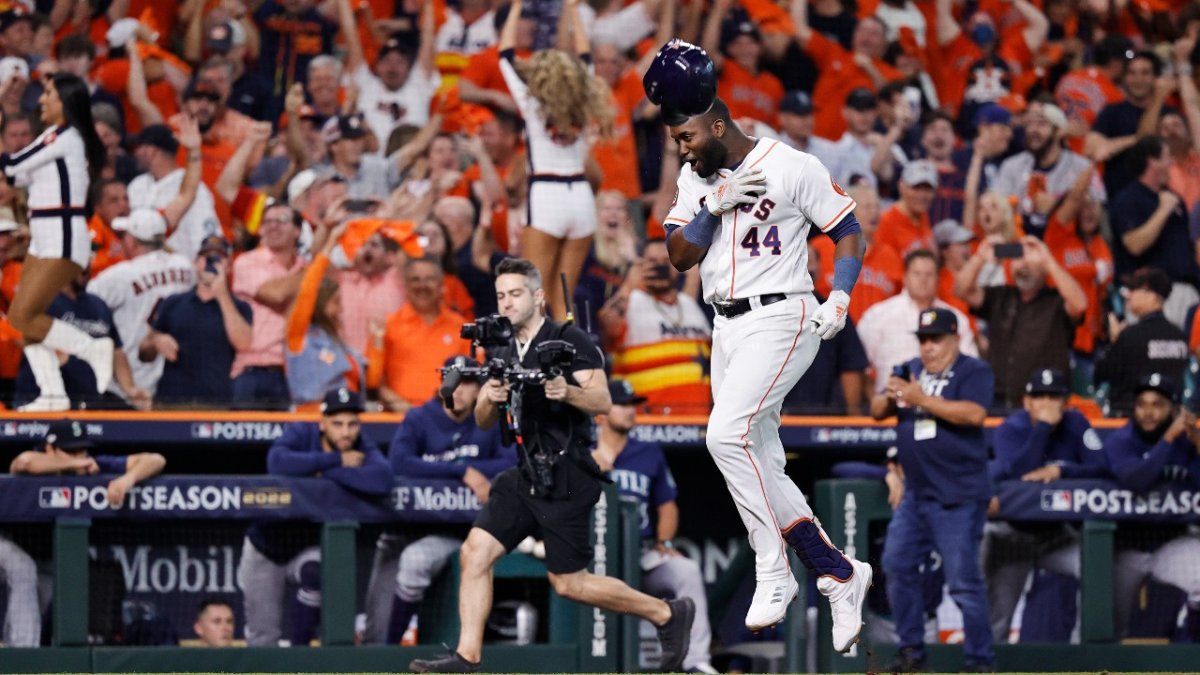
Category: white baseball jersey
[385,109]
[762,248]
[132,290]
[198,222]
[456,37]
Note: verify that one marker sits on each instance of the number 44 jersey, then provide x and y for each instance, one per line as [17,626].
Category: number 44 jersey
[762,248]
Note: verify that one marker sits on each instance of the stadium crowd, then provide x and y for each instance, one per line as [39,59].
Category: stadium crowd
[1028,170]
[362,167]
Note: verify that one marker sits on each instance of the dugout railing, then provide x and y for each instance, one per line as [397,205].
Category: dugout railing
[582,639]
[848,507]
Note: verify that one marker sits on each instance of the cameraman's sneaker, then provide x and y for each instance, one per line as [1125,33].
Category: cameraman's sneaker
[450,663]
[846,600]
[770,604]
[675,634]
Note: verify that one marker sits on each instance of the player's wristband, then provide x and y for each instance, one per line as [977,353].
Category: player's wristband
[701,229]
[845,273]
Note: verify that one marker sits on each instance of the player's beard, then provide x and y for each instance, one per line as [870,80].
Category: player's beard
[710,157]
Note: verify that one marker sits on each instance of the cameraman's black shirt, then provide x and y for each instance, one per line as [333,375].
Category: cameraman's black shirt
[555,424]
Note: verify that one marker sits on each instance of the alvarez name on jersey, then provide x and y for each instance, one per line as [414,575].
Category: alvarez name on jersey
[762,248]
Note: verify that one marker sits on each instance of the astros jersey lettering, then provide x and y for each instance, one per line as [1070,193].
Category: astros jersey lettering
[761,248]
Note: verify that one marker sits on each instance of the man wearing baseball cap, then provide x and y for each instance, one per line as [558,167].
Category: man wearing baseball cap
[796,126]
[1152,345]
[198,332]
[640,471]
[905,226]
[1041,443]
[1157,447]
[397,88]
[186,203]
[1045,171]
[438,440]
[366,175]
[940,399]
[275,553]
[850,161]
[64,451]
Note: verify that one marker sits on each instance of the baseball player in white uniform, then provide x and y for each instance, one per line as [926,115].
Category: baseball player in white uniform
[743,211]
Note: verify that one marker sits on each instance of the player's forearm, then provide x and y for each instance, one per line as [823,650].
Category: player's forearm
[668,521]
[144,465]
[34,463]
[684,254]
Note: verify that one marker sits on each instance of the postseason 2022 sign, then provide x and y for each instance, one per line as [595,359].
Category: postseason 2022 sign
[44,498]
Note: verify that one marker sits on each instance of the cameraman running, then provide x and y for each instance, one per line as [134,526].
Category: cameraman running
[550,494]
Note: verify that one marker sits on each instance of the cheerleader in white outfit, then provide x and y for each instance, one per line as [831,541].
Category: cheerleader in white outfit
[57,168]
[561,101]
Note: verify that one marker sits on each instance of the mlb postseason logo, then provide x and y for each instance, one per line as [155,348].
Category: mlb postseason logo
[54,498]
[204,430]
[1056,500]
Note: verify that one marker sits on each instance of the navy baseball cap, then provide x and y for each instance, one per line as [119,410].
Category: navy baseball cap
[622,393]
[1160,383]
[862,99]
[736,25]
[1047,381]
[68,435]
[937,321]
[459,362]
[341,400]
[797,103]
[991,113]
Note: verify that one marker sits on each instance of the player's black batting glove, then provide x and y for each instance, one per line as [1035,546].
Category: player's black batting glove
[742,187]
[830,317]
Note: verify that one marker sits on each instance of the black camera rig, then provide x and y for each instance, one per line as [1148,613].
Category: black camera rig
[496,332]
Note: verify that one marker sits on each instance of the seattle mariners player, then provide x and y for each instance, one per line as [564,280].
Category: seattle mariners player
[742,212]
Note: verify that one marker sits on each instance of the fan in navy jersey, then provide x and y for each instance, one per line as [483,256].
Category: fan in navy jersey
[1041,443]
[437,440]
[640,472]
[275,553]
[940,399]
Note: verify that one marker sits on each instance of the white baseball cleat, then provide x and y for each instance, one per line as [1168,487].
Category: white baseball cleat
[771,600]
[846,599]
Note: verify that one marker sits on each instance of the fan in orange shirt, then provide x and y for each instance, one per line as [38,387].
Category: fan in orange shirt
[1083,92]
[905,226]
[419,338]
[482,81]
[977,64]
[110,200]
[732,39]
[1073,236]
[617,154]
[841,71]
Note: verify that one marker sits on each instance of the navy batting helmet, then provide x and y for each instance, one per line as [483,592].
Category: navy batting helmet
[682,80]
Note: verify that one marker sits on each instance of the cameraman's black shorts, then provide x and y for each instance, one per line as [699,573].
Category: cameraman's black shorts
[512,513]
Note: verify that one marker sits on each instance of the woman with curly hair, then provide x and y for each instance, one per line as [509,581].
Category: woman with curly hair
[561,101]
